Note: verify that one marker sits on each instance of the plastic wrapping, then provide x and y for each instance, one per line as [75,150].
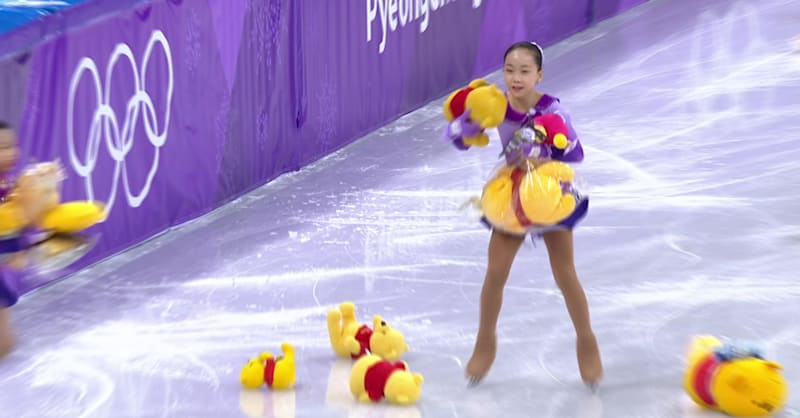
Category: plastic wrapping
[542,137]
[39,235]
[38,197]
[37,191]
[38,258]
[534,194]
[59,252]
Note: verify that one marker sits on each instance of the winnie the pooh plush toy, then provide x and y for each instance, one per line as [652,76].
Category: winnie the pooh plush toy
[733,379]
[36,202]
[349,338]
[373,379]
[472,109]
[277,373]
[517,198]
[36,226]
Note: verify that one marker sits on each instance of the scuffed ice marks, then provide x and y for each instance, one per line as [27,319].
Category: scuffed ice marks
[675,243]
[70,388]
[713,91]
[146,367]
[696,291]
[731,66]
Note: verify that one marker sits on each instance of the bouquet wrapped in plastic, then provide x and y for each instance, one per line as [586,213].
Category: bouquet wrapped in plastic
[35,226]
[530,195]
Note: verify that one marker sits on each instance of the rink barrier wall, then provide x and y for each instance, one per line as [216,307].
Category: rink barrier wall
[168,109]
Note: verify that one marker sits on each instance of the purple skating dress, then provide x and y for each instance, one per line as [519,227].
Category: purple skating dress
[572,154]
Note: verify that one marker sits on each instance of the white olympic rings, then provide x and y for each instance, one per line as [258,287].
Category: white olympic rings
[119,143]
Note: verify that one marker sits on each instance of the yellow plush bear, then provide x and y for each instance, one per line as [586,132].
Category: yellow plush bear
[487,106]
[373,378]
[278,373]
[541,197]
[36,202]
[349,338]
[733,380]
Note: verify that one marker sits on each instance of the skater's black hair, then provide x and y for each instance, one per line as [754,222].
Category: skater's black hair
[4,125]
[532,47]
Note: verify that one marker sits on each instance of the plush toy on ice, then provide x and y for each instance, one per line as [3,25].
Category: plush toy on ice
[473,109]
[277,373]
[373,379]
[349,338]
[520,197]
[733,379]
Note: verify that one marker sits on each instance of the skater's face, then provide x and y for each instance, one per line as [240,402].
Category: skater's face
[522,73]
[8,150]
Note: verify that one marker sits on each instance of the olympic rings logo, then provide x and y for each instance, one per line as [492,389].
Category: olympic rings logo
[105,125]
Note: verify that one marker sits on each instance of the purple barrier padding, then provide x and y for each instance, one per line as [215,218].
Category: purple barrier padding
[255,122]
[136,107]
[14,86]
[545,22]
[168,109]
[604,9]
[390,60]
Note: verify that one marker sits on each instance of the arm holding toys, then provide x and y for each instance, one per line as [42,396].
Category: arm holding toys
[36,227]
[471,110]
[533,189]
[35,202]
[546,132]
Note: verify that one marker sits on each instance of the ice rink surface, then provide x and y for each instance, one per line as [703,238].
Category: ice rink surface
[689,113]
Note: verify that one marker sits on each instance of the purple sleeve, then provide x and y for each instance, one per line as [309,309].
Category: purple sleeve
[574,151]
[9,286]
[458,129]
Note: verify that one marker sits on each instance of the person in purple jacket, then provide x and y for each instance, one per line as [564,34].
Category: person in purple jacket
[9,275]
[523,72]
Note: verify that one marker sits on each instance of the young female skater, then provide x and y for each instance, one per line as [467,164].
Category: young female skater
[523,72]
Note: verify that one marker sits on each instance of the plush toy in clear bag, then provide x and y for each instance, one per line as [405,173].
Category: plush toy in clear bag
[37,226]
[473,109]
[533,194]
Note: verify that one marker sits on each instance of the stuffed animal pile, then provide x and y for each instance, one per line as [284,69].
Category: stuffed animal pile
[723,377]
[376,374]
